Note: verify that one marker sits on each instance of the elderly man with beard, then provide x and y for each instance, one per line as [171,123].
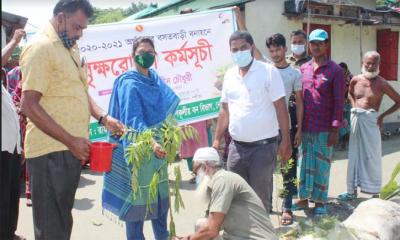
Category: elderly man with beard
[233,206]
[365,152]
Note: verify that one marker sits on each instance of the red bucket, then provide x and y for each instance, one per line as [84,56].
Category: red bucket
[101,156]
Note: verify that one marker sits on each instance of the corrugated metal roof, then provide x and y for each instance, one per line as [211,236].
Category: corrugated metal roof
[151,9]
[13,19]
[175,6]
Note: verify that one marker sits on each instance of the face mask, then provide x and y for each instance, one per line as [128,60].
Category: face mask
[67,41]
[145,60]
[298,49]
[242,58]
[202,181]
[200,176]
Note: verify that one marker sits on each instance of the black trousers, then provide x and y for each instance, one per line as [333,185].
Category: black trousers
[290,176]
[256,165]
[54,178]
[10,172]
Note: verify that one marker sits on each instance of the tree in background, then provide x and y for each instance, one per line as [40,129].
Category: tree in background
[388,3]
[115,14]
[134,8]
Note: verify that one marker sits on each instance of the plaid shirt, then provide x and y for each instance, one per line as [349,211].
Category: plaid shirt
[323,90]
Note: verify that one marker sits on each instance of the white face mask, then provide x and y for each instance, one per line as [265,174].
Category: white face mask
[242,58]
[298,49]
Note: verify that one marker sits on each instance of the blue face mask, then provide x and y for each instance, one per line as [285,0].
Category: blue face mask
[67,41]
[242,58]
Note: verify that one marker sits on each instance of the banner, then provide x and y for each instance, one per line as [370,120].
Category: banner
[192,56]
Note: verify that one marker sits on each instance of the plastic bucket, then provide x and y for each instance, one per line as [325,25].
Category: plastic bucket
[101,156]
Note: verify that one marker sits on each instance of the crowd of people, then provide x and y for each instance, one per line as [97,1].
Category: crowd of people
[269,109]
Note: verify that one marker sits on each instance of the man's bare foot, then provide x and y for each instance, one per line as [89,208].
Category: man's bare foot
[300,205]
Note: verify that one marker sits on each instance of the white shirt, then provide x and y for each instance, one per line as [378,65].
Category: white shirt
[250,99]
[10,131]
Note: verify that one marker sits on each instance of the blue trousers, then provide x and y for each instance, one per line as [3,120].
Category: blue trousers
[134,230]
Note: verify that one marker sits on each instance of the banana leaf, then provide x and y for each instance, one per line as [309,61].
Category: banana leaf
[392,188]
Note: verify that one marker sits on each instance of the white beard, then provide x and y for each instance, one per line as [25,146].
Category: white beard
[369,75]
[202,187]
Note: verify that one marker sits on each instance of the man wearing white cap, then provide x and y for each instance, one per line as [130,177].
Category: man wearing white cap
[233,206]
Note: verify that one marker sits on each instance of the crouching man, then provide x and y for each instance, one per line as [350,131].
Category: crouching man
[233,206]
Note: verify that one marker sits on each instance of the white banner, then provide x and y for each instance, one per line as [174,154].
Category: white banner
[192,56]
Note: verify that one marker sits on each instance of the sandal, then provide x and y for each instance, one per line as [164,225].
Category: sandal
[29,202]
[287,218]
[321,210]
[18,237]
[347,196]
[193,179]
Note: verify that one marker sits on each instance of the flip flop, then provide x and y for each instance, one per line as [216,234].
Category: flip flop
[287,220]
[347,197]
[192,180]
[320,210]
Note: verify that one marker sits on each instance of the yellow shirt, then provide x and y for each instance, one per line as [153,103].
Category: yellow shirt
[56,72]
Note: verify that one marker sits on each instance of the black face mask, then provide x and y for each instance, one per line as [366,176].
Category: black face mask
[67,41]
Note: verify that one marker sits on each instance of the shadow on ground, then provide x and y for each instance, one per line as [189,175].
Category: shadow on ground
[87,170]
[83,182]
[185,185]
[343,209]
[83,204]
[338,209]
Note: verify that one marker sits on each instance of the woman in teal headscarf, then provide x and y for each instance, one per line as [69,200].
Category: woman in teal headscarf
[140,100]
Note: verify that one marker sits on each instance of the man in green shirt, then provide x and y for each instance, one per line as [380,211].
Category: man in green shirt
[298,47]
[233,206]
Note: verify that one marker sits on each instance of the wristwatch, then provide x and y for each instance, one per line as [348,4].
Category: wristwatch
[101,118]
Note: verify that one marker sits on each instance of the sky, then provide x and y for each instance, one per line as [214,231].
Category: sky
[39,12]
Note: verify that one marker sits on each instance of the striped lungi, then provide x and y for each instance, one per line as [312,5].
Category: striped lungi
[315,167]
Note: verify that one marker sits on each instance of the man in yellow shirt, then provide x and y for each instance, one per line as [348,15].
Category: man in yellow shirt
[55,99]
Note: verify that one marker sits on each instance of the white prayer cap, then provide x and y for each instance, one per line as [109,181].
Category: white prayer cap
[207,155]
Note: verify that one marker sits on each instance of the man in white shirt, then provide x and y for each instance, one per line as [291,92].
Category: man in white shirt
[10,163]
[254,108]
